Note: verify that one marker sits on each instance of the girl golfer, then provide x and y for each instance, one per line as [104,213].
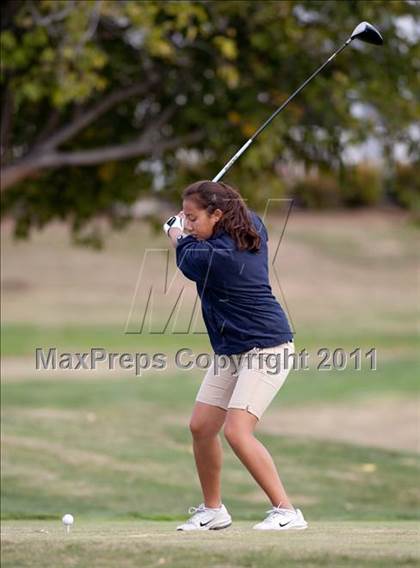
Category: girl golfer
[222,246]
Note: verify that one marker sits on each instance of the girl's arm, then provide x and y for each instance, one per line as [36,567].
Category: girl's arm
[174,227]
[192,257]
[173,235]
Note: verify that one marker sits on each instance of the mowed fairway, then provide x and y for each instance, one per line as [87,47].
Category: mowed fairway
[114,449]
[147,544]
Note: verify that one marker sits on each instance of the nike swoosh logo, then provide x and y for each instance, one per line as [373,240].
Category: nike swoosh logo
[285,524]
[206,523]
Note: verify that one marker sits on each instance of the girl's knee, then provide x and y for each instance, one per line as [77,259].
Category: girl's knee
[239,426]
[236,436]
[202,429]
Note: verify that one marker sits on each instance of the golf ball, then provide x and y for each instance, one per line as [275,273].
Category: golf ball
[68,519]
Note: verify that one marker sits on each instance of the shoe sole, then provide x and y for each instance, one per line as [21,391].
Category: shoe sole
[220,528]
[215,528]
[288,529]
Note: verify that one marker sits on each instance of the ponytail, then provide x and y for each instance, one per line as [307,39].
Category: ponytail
[236,221]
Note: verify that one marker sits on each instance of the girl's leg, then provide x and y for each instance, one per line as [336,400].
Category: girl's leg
[239,427]
[205,425]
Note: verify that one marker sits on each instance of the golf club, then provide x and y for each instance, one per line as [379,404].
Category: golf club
[364,32]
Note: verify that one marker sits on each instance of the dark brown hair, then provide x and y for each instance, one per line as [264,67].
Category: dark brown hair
[236,221]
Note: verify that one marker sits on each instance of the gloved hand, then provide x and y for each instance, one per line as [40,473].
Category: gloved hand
[174,222]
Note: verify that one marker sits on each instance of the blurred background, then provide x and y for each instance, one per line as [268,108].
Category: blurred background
[108,110]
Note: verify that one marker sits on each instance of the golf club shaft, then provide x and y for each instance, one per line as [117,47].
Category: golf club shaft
[241,150]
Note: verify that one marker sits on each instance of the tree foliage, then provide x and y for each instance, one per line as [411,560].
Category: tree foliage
[105,101]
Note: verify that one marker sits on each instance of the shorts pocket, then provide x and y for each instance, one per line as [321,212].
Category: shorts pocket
[271,361]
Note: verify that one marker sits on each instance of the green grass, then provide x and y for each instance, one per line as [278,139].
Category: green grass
[150,544]
[121,447]
[20,340]
[115,450]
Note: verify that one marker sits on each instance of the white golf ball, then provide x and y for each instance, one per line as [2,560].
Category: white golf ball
[68,519]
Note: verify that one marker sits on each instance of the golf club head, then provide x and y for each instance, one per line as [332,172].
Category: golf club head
[367,33]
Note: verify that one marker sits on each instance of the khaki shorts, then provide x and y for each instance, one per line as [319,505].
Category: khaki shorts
[249,380]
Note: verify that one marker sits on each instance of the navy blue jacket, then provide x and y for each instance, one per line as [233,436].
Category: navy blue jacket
[239,309]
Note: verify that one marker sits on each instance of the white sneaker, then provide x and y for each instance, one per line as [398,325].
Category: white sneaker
[279,519]
[204,519]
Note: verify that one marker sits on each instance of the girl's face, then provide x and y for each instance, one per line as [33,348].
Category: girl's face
[198,222]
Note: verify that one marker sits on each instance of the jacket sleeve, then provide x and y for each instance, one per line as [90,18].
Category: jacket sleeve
[193,258]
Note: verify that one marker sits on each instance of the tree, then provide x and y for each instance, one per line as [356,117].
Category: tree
[104,101]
